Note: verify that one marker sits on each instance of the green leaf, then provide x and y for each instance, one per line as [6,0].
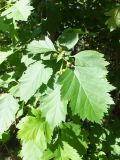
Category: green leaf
[4,55]
[34,129]
[8,110]
[27,60]
[35,75]
[116,147]
[67,152]
[5,137]
[41,46]
[114,21]
[31,151]
[19,11]
[6,26]
[87,87]
[75,136]
[69,38]
[6,79]
[48,155]
[53,108]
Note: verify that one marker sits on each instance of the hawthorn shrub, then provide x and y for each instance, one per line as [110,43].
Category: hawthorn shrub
[59,80]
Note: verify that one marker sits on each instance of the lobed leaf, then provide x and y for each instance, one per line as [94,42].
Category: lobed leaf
[31,151]
[19,11]
[35,75]
[41,46]
[67,152]
[8,110]
[34,129]
[87,87]
[53,108]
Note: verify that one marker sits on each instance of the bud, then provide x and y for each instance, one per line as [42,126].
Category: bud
[55,55]
[68,64]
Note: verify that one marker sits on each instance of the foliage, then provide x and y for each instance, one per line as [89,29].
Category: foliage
[57,98]
[114,20]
